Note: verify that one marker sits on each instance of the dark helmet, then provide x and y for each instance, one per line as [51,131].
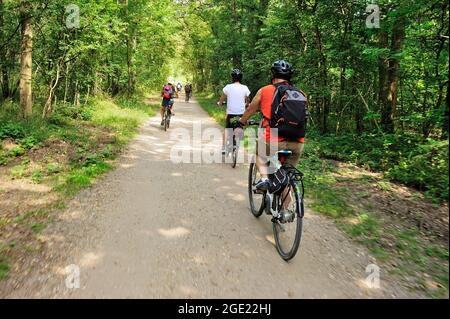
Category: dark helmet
[236,75]
[282,69]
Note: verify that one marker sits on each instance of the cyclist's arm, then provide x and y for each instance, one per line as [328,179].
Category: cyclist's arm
[252,108]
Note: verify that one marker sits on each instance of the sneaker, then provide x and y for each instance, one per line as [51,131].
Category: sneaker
[223,151]
[263,185]
[162,123]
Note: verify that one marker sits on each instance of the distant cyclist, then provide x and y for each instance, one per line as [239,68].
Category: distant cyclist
[179,87]
[188,91]
[168,93]
[237,96]
[291,131]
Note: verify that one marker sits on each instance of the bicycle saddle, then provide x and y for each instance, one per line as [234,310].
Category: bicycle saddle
[286,153]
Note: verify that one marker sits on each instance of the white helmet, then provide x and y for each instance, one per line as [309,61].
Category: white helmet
[170,80]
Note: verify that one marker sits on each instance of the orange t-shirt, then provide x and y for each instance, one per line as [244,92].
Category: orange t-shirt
[267,93]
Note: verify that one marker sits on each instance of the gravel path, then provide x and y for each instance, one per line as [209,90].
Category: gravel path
[155,229]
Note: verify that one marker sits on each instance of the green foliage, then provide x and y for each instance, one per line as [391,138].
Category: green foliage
[11,130]
[406,158]
[37,177]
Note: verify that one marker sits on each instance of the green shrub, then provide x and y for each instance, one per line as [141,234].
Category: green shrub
[426,168]
[405,158]
[28,142]
[17,151]
[11,130]
[37,177]
[53,168]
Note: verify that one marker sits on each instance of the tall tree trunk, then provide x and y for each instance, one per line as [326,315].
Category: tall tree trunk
[323,80]
[445,124]
[3,58]
[26,61]
[398,36]
[66,86]
[383,68]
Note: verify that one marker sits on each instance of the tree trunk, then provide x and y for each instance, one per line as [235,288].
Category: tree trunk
[66,86]
[323,81]
[383,66]
[398,35]
[52,86]
[3,55]
[26,60]
[445,124]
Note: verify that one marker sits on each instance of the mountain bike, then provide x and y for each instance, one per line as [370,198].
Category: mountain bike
[167,117]
[284,201]
[234,141]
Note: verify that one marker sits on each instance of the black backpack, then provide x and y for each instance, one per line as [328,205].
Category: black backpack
[289,112]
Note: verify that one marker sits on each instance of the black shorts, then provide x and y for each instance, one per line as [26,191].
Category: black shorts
[229,117]
[166,102]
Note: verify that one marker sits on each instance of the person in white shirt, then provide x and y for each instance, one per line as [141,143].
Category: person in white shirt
[237,96]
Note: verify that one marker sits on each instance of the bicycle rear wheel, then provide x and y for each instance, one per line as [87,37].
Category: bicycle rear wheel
[166,120]
[256,200]
[288,235]
[234,153]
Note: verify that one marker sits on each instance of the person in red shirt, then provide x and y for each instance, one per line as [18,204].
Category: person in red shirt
[282,71]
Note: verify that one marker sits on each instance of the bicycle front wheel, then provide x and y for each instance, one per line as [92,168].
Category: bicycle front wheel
[256,199]
[288,228]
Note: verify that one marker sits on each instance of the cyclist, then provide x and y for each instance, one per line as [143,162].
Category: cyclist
[179,87]
[282,72]
[168,93]
[237,96]
[188,90]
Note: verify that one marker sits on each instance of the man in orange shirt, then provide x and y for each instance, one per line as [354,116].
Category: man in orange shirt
[282,72]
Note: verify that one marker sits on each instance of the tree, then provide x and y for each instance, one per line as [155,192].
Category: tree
[26,59]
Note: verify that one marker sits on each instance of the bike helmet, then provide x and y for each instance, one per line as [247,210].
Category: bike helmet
[170,80]
[236,75]
[282,70]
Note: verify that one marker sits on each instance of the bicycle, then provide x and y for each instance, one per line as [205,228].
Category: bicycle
[167,117]
[188,96]
[285,204]
[233,143]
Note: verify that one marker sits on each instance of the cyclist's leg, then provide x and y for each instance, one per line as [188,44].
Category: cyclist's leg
[225,132]
[297,150]
[163,108]
[171,103]
[263,153]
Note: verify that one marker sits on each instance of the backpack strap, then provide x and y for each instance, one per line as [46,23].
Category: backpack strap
[275,95]
[280,87]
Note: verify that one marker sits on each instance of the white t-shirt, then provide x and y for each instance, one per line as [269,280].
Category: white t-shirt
[236,94]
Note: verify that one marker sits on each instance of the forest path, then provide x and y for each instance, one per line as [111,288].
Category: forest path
[155,229]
